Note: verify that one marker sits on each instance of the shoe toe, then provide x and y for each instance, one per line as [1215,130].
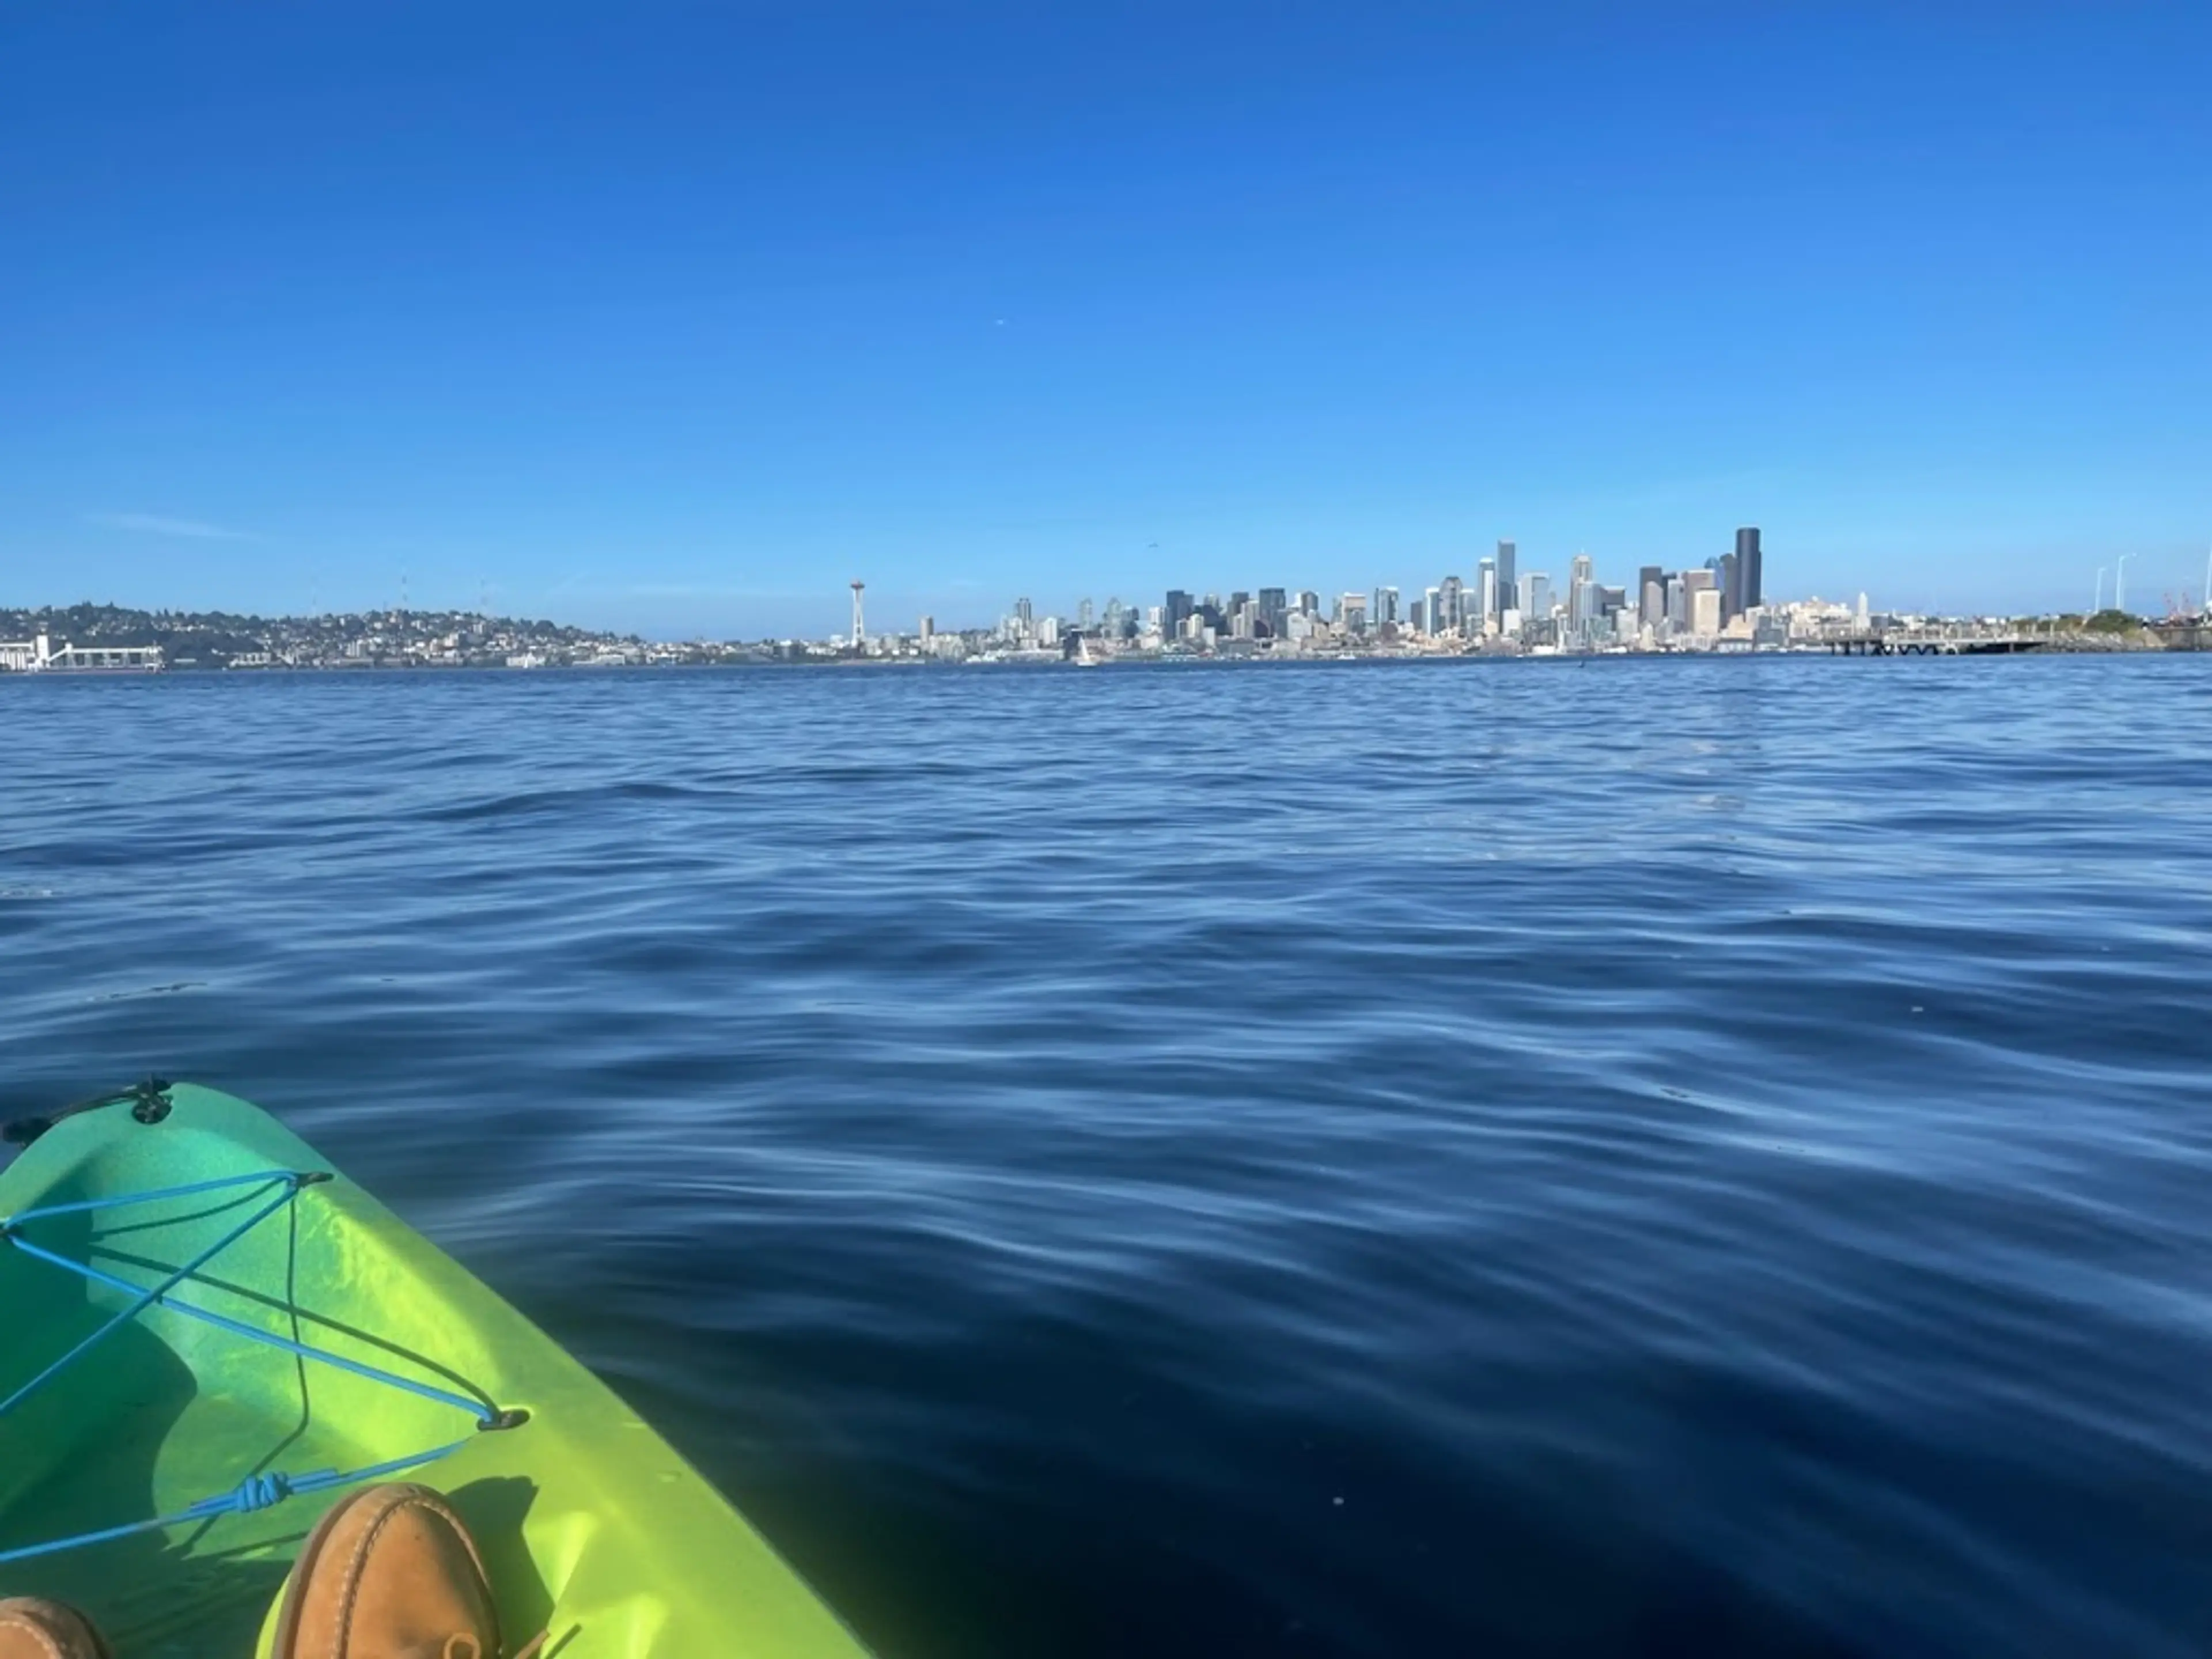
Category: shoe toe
[34,1629]
[390,1570]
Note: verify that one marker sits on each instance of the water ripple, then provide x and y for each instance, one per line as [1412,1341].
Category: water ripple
[1660,1157]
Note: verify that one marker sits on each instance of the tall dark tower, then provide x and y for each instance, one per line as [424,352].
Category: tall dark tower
[1509,578]
[1746,567]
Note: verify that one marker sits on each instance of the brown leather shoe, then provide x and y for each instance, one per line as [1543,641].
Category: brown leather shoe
[31,1629]
[390,1573]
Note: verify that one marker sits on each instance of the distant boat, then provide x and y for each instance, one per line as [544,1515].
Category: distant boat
[1084,658]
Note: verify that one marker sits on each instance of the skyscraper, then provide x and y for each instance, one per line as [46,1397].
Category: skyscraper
[1535,598]
[1695,610]
[1487,606]
[1385,613]
[1450,607]
[1581,599]
[1749,584]
[1177,611]
[1731,586]
[1508,589]
[1650,596]
[1274,606]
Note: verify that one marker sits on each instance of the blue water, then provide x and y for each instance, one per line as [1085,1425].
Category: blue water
[1647,1157]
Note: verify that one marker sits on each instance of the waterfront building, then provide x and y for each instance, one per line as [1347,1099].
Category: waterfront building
[1351,613]
[1431,605]
[41,655]
[1650,596]
[1385,613]
[1417,616]
[1274,609]
[1486,590]
[1509,588]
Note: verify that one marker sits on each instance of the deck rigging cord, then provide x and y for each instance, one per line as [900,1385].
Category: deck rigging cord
[274,1192]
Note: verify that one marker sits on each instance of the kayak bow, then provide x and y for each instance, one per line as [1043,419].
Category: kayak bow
[211,1335]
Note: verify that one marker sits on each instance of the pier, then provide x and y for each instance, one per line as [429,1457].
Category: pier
[1932,643]
[42,656]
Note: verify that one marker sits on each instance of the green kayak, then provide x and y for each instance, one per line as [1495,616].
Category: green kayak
[210,1336]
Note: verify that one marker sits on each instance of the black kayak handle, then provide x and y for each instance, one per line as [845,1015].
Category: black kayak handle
[148,1102]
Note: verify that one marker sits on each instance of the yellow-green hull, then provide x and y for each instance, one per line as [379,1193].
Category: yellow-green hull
[594,1529]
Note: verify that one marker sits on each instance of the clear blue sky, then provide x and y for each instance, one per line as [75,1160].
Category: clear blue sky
[678,318]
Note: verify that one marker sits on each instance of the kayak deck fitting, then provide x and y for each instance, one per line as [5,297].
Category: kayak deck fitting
[211,1335]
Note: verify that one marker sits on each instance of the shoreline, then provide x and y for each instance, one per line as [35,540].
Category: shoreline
[2189,641]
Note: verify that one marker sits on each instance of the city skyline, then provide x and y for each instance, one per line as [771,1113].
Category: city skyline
[1722,600]
[1722,605]
[1654,595]
[2157,582]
